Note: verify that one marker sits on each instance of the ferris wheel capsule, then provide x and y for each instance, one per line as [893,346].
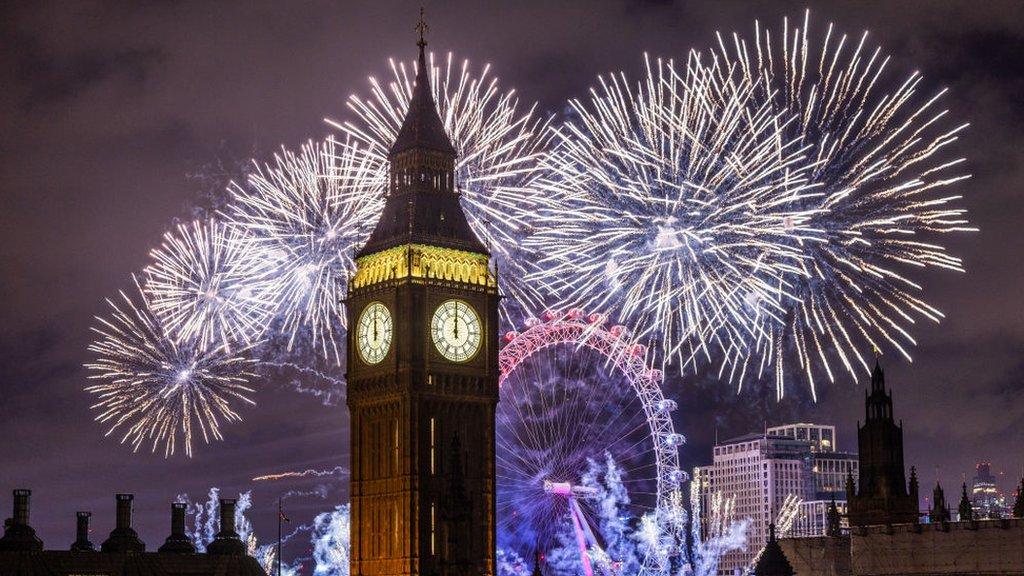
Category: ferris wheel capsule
[678,476]
[673,439]
[666,405]
[511,335]
[597,318]
[619,331]
[550,315]
[532,322]
[575,314]
[637,350]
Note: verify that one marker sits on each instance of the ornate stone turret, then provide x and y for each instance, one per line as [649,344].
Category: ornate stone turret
[178,542]
[1018,506]
[123,537]
[940,511]
[883,496]
[82,543]
[773,561]
[965,511]
[227,542]
[18,535]
[833,525]
[913,488]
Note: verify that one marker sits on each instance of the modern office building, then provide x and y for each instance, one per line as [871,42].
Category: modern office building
[759,471]
[821,436]
[986,499]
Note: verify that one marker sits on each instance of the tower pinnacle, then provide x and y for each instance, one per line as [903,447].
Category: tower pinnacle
[422,28]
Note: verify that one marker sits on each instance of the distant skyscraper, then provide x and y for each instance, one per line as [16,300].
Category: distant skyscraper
[987,501]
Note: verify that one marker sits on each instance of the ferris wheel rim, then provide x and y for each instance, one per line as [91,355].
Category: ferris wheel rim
[589,331]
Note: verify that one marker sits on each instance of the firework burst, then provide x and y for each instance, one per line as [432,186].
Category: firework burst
[306,213]
[154,389]
[499,146]
[206,285]
[880,164]
[671,205]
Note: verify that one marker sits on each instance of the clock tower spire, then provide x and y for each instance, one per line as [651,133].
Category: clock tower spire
[422,360]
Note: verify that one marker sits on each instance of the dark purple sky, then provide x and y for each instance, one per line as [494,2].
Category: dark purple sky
[108,108]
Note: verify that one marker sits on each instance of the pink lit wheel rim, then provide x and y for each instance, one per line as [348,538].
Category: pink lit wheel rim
[575,393]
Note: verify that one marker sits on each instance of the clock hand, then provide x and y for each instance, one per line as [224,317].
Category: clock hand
[456,320]
[375,324]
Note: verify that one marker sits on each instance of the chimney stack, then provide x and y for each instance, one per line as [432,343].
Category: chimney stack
[124,511]
[82,543]
[227,541]
[123,537]
[178,542]
[21,498]
[18,535]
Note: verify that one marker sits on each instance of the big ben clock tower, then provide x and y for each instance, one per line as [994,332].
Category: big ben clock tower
[422,369]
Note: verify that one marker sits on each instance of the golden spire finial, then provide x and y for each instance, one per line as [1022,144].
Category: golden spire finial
[422,28]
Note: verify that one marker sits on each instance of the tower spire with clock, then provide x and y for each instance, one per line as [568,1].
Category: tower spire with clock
[422,205]
[422,360]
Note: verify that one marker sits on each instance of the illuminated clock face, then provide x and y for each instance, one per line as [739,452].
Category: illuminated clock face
[455,329]
[374,333]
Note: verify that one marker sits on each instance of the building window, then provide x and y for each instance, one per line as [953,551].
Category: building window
[432,529]
[433,458]
[394,462]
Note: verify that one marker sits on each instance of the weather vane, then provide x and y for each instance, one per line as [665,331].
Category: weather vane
[422,28]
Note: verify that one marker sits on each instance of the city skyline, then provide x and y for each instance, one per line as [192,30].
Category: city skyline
[148,129]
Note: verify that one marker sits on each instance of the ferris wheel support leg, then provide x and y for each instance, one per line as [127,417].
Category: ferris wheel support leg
[581,540]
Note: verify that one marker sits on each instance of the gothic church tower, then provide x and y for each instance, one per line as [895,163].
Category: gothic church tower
[422,369]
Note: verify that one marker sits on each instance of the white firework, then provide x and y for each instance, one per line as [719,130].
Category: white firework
[879,160]
[206,284]
[307,212]
[670,206]
[154,389]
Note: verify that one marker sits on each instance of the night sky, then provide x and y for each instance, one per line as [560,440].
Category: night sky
[120,119]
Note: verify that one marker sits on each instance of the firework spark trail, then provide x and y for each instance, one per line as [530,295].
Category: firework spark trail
[669,205]
[328,397]
[336,471]
[714,532]
[307,212]
[499,144]
[206,517]
[206,285]
[152,388]
[883,169]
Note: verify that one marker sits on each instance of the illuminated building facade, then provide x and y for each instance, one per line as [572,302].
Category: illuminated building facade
[422,360]
[986,499]
[821,436]
[759,471]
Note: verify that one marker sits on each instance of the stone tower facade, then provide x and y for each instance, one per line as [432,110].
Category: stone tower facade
[882,495]
[423,369]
